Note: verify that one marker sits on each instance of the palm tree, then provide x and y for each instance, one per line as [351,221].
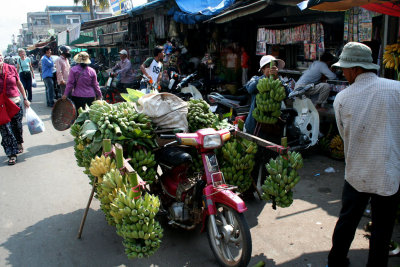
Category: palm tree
[88,5]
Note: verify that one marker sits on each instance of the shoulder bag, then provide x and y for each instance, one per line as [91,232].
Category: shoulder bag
[8,109]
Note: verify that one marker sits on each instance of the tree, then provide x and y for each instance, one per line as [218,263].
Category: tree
[88,5]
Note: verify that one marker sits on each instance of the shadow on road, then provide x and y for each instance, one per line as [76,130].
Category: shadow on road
[34,151]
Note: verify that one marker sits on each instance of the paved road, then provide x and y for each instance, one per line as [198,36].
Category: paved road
[43,196]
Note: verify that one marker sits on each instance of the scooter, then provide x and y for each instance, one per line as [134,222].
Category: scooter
[204,199]
[301,121]
[223,104]
[183,87]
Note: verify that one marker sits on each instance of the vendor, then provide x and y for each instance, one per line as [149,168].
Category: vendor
[314,75]
[152,67]
[251,86]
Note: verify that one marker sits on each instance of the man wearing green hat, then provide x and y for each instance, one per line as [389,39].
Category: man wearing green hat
[368,119]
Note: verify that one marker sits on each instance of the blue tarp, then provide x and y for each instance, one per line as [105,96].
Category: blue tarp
[185,18]
[204,7]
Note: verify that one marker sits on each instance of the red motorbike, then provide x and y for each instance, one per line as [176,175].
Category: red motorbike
[204,198]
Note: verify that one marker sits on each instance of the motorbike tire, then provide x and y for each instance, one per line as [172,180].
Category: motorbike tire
[222,252]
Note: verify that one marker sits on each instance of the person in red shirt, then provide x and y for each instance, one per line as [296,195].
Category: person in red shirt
[244,61]
[11,132]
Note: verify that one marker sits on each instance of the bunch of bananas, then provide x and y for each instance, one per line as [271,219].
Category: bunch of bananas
[144,163]
[337,147]
[107,190]
[121,119]
[391,56]
[282,178]
[268,100]
[136,224]
[199,115]
[238,162]
[197,163]
[100,166]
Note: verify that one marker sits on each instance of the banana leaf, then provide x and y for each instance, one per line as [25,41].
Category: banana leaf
[88,130]
[132,95]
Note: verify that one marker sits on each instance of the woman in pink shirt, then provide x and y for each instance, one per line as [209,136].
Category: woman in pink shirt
[82,86]
[11,133]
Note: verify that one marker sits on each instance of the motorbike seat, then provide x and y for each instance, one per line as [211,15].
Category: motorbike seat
[173,156]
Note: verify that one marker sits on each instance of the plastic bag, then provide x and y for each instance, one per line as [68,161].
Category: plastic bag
[34,84]
[165,110]
[35,124]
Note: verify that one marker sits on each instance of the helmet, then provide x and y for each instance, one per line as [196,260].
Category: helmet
[64,49]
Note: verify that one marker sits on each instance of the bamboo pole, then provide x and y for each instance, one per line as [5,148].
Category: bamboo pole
[106,149]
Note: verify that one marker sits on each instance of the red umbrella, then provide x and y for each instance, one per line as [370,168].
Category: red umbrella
[391,9]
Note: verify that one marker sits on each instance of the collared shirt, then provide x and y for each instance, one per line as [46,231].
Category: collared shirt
[368,119]
[251,87]
[314,73]
[124,68]
[86,82]
[47,67]
[62,67]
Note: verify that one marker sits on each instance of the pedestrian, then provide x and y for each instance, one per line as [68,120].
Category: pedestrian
[124,69]
[251,86]
[152,67]
[244,63]
[316,74]
[369,123]
[11,132]
[47,75]
[63,67]
[25,70]
[82,86]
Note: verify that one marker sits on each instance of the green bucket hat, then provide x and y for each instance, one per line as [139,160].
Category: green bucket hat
[356,55]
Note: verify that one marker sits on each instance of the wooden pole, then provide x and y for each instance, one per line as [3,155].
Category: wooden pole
[106,148]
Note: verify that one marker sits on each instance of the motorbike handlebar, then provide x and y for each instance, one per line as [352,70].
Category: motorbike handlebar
[167,136]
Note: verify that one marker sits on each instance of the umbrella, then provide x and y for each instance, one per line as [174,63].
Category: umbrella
[336,5]
[391,9]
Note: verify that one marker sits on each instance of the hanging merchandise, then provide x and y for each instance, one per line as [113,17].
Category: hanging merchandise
[358,25]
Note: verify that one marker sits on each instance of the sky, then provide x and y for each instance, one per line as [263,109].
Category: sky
[14,12]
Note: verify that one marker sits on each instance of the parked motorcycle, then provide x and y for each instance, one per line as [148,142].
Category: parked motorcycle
[220,104]
[301,121]
[204,199]
[183,86]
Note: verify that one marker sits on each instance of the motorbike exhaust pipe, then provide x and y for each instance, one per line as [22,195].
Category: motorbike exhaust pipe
[186,227]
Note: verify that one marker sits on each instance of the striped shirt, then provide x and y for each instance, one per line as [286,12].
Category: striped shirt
[368,119]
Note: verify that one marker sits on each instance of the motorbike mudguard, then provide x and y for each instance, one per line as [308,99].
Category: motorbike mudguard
[213,195]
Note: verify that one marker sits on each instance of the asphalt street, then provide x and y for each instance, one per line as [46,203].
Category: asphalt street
[43,196]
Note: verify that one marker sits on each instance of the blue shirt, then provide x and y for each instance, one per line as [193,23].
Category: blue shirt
[47,67]
[251,87]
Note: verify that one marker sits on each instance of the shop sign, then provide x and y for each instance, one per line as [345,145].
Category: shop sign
[119,7]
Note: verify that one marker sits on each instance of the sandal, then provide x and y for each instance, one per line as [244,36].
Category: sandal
[20,149]
[12,160]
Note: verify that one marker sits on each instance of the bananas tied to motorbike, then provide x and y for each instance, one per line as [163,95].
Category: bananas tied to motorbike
[282,178]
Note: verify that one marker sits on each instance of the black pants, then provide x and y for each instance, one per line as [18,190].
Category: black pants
[26,80]
[383,211]
[81,102]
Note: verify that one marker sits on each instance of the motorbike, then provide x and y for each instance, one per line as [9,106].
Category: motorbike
[302,121]
[183,86]
[205,198]
[232,104]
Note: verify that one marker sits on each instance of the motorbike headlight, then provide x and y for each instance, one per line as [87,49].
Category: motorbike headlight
[212,141]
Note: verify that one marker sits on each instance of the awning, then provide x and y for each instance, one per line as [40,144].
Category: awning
[204,7]
[240,11]
[391,9]
[88,45]
[336,5]
[101,22]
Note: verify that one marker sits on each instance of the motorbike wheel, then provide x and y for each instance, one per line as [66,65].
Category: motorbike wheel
[234,246]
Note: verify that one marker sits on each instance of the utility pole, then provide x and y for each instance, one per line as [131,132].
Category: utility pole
[92,17]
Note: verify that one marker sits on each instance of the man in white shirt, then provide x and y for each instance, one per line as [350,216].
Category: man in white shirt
[152,67]
[368,119]
[313,74]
